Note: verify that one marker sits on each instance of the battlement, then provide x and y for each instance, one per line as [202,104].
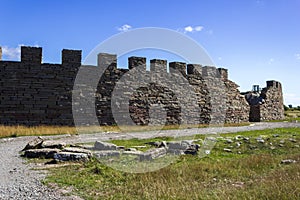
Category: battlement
[273,83]
[160,66]
[31,55]
[72,57]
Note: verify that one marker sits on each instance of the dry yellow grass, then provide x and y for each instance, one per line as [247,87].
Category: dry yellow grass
[14,131]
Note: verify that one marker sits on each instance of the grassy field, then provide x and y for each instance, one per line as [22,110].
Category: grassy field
[251,171]
[292,115]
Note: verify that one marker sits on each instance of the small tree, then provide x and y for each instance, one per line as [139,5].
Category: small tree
[285,108]
[290,106]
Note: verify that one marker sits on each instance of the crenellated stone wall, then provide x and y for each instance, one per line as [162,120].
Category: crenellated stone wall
[32,93]
[35,93]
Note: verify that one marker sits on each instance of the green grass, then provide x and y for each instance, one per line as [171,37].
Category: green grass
[251,171]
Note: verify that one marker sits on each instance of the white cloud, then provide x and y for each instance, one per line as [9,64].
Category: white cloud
[11,52]
[198,28]
[14,53]
[190,29]
[297,55]
[124,28]
[271,60]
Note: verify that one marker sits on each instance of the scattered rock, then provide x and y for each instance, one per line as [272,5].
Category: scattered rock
[246,139]
[260,140]
[229,141]
[103,146]
[281,141]
[52,144]
[276,135]
[239,137]
[40,153]
[238,184]
[34,144]
[293,140]
[288,161]
[71,156]
[227,150]
[281,145]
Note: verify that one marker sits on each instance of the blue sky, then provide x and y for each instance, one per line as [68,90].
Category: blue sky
[257,40]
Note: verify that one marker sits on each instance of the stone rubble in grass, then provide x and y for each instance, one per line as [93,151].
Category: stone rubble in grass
[288,161]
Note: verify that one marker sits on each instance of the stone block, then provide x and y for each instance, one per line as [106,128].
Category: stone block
[71,156]
[41,153]
[104,146]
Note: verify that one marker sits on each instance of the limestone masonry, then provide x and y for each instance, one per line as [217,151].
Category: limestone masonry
[35,93]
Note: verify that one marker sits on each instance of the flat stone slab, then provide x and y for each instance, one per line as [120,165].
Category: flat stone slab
[105,154]
[134,153]
[175,151]
[41,153]
[102,146]
[34,144]
[153,153]
[77,150]
[180,145]
[71,156]
[53,144]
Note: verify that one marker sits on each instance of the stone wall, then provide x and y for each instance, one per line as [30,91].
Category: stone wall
[267,104]
[34,93]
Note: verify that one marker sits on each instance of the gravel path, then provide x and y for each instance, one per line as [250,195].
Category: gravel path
[18,181]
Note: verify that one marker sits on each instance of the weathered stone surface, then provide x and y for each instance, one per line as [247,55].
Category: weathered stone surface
[34,144]
[71,156]
[53,144]
[77,150]
[153,153]
[178,145]
[105,154]
[102,146]
[135,153]
[40,153]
